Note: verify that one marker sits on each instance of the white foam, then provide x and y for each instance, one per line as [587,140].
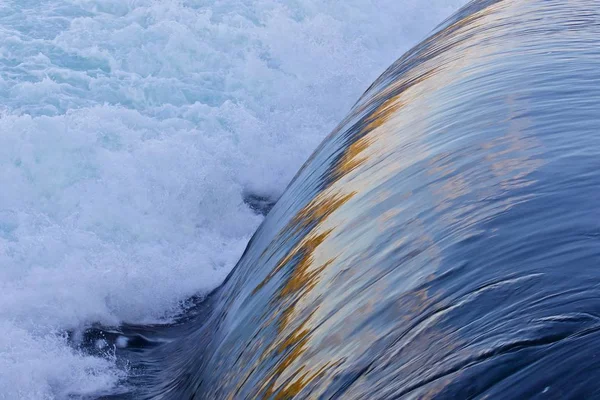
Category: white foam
[40,365]
[128,133]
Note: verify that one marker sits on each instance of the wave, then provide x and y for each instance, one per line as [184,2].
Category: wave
[441,242]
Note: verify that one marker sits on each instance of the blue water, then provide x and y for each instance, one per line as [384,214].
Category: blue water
[441,243]
[130,134]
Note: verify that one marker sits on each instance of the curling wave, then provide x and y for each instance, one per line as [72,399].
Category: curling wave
[443,241]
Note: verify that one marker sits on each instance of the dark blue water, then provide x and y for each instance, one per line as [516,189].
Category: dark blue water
[443,241]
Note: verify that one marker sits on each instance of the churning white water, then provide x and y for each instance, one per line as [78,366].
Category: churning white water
[130,132]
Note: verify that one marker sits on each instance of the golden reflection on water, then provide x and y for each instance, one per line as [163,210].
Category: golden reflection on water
[333,280]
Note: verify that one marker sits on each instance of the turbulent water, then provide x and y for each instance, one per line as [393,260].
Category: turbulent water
[442,242]
[131,134]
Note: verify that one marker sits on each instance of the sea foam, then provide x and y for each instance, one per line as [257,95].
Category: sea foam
[131,132]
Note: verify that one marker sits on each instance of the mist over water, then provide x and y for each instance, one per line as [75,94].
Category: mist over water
[130,134]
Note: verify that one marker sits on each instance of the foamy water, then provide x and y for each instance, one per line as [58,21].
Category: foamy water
[130,132]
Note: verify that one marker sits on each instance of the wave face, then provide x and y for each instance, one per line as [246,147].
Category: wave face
[139,142]
[443,241]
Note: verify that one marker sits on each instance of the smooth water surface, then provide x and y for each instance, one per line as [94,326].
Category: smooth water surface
[131,134]
[442,242]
